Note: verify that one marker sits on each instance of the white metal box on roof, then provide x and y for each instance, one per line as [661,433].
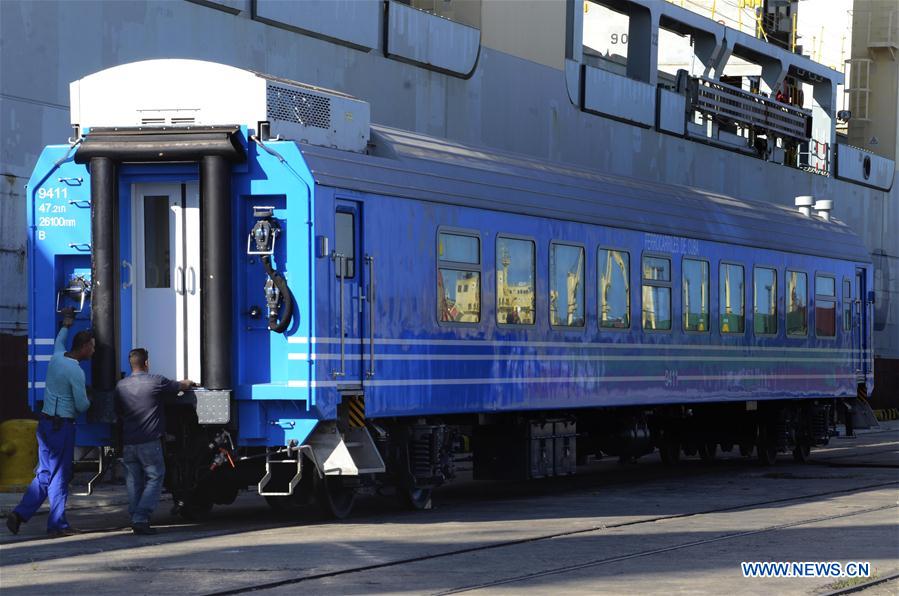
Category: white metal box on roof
[204,93]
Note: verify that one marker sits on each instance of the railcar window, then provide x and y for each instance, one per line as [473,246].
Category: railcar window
[847,305]
[515,281]
[458,278]
[731,299]
[825,306]
[764,303]
[460,249]
[696,295]
[157,263]
[345,241]
[656,309]
[825,286]
[566,285]
[797,303]
[614,289]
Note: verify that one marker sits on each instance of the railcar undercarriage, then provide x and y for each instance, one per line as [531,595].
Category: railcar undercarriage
[205,469]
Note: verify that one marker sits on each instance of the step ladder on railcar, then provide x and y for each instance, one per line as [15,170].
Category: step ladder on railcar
[96,465]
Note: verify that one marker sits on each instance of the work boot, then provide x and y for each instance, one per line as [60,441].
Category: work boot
[13,521]
[63,532]
[143,529]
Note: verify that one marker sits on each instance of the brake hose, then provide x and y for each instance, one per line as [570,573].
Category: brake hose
[280,285]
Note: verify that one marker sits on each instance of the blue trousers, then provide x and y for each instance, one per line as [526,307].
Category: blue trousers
[56,449]
[144,474]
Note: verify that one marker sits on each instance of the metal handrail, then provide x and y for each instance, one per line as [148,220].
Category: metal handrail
[858,333]
[869,348]
[130,268]
[341,260]
[179,280]
[370,261]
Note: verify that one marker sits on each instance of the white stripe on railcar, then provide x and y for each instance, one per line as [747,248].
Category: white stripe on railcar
[552,344]
[559,357]
[535,380]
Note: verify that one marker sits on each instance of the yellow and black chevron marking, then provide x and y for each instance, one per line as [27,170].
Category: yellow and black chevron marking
[355,410]
[863,391]
[887,414]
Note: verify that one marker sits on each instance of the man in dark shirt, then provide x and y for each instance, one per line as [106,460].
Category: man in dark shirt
[139,403]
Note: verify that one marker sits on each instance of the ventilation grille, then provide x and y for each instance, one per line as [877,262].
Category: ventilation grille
[162,121]
[291,105]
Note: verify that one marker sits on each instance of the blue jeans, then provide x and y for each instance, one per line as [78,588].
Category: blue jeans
[145,471]
[56,450]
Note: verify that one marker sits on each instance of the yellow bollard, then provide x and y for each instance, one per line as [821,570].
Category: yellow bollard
[18,454]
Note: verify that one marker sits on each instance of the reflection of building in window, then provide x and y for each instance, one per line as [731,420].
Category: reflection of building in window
[458,296]
[458,278]
[468,298]
[515,296]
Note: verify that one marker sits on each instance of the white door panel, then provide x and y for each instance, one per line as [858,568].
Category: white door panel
[166,313]
[191,258]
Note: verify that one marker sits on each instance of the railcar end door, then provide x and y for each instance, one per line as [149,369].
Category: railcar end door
[166,277]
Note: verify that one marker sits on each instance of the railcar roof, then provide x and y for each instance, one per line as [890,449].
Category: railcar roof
[411,165]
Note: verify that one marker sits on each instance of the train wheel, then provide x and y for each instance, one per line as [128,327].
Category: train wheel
[334,499]
[767,455]
[418,499]
[801,453]
[669,450]
[766,448]
[708,451]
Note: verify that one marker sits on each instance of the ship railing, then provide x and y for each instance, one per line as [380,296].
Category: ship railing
[764,115]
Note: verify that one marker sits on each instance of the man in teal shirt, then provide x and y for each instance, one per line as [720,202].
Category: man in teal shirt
[65,398]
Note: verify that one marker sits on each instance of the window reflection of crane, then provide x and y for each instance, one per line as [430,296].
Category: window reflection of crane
[515,299]
[572,285]
[573,282]
[727,319]
[649,295]
[698,323]
[605,284]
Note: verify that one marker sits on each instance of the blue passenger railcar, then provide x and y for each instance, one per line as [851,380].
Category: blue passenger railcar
[363,304]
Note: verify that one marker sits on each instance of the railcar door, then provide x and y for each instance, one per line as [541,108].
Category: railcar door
[165,278]
[347,353]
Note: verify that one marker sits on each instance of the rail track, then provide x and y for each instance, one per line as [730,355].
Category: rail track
[585,530]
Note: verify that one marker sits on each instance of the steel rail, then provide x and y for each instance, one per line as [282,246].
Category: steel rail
[662,550]
[595,528]
[863,586]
